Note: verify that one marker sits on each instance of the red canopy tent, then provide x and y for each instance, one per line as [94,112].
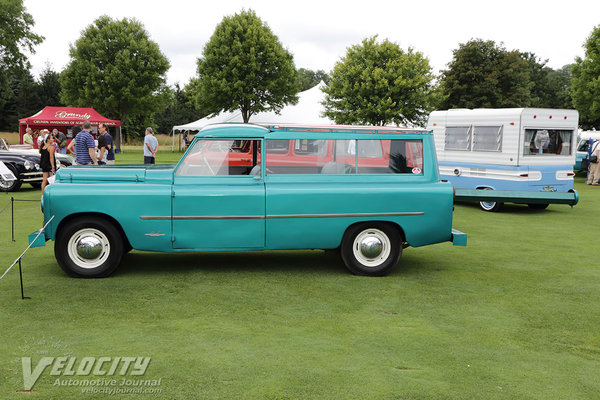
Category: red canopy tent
[64,118]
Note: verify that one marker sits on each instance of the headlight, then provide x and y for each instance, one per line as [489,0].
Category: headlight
[37,166]
[28,165]
[57,163]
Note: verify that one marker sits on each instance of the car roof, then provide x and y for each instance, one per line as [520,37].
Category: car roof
[237,130]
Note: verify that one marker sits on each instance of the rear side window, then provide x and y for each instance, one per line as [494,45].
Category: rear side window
[329,156]
[458,138]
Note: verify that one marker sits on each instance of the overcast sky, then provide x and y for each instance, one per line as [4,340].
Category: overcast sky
[318,33]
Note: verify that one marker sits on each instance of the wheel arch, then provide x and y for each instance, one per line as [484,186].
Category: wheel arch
[377,221]
[106,217]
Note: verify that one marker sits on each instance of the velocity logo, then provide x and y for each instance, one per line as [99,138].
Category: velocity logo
[71,366]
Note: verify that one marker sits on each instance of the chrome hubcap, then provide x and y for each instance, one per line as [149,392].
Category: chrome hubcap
[89,247]
[371,247]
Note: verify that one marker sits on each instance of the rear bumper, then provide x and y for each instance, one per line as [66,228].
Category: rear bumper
[459,238]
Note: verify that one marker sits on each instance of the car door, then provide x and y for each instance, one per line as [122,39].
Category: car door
[216,204]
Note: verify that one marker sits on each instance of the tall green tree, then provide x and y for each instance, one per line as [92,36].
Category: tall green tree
[309,78]
[116,69]
[484,74]
[244,67]
[586,82]
[20,100]
[379,83]
[180,110]
[49,87]
[16,40]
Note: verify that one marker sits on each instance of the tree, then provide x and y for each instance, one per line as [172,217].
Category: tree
[586,84]
[560,84]
[16,38]
[116,69]
[379,83]
[49,87]
[20,100]
[309,78]
[245,67]
[180,110]
[483,74]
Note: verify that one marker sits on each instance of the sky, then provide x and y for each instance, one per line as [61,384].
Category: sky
[318,33]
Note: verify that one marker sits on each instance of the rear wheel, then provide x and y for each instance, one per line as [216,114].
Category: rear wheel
[371,248]
[88,248]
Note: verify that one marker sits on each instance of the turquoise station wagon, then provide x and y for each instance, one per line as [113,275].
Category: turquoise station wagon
[368,192]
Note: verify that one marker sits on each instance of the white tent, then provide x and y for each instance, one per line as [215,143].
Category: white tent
[307,111]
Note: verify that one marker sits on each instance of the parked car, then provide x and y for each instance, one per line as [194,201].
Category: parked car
[64,160]
[369,192]
[25,165]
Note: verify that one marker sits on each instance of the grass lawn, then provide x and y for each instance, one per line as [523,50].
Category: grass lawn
[515,315]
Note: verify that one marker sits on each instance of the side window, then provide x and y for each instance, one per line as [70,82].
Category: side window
[458,138]
[219,157]
[369,156]
[547,142]
[487,138]
[400,157]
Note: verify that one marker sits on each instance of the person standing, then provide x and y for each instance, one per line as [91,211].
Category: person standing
[594,174]
[27,138]
[84,146]
[105,144]
[47,159]
[150,147]
[61,141]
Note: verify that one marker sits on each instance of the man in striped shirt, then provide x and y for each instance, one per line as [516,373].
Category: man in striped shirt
[84,146]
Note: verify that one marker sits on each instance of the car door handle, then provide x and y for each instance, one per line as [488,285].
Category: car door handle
[246,159]
[257,178]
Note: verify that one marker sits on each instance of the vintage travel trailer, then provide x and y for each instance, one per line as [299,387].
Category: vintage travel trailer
[512,149]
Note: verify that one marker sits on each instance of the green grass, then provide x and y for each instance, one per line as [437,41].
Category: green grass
[515,315]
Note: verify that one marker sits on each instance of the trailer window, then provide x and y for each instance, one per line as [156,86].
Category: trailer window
[487,138]
[547,142]
[458,138]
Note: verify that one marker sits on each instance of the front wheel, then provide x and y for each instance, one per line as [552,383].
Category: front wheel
[11,186]
[371,249]
[89,248]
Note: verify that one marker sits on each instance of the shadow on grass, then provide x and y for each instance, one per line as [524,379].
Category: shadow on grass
[516,209]
[302,262]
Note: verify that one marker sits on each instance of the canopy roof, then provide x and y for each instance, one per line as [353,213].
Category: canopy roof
[307,111]
[65,116]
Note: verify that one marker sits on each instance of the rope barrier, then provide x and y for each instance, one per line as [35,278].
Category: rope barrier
[7,204]
[28,247]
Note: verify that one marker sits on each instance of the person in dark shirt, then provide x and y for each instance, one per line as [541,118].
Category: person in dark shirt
[105,144]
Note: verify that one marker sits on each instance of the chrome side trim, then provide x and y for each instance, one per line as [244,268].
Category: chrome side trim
[390,214]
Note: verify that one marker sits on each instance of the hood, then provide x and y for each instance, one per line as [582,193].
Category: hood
[110,173]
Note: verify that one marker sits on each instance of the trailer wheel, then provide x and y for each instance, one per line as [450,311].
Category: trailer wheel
[490,206]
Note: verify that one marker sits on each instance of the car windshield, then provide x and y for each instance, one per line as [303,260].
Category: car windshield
[3,144]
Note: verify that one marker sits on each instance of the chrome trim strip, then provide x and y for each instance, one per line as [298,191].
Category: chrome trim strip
[390,214]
